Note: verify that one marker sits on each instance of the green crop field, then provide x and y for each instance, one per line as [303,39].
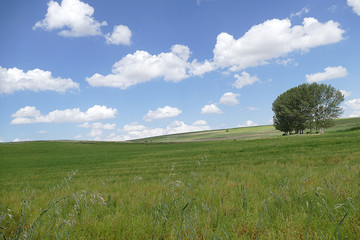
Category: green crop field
[245,183]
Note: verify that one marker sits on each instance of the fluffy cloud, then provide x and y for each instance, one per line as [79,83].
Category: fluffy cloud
[134,127]
[1,139]
[354,105]
[248,123]
[181,127]
[329,73]
[21,140]
[211,109]
[273,39]
[72,17]
[346,93]
[229,98]
[14,79]
[355,5]
[97,129]
[28,115]
[120,35]
[244,80]
[165,112]
[200,68]
[142,67]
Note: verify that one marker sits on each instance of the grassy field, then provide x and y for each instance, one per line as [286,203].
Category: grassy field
[215,135]
[266,186]
[242,133]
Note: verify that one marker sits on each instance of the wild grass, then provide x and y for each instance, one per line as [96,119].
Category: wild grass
[293,187]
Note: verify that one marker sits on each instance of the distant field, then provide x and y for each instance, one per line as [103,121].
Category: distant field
[240,133]
[213,135]
[249,184]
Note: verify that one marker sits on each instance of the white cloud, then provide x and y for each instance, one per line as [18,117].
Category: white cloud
[142,67]
[200,68]
[248,123]
[1,139]
[28,115]
[26,112]
[355,5]
[200,123]
[97,129]
[95,133]
[165,112]
[346,93]
[354,105]
[21,140]
[211,109]
[286,61]
[329,73]
[229,98]
[273,39]
[42,132]
[133,127]
[120,35]
[181,127]
[244,80]
[72,17]
[301,12]
[14,79]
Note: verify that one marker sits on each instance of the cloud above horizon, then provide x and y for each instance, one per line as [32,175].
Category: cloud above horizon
[248,123]
[14,79]
[73,17]
[30,115]
[328,74]
[354,105]
[273,39]
[211,109]
[160,113]
[230,99]
[121,35]
[142,67]
[355,5]
[244,80]
[270,40]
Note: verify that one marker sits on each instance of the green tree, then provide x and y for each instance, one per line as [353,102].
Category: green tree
[307,106]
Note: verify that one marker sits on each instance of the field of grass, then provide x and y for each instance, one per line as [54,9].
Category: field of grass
[215,135]
[241,133]
[274,187]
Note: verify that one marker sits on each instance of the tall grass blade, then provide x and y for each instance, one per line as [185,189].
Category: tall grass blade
[341,222]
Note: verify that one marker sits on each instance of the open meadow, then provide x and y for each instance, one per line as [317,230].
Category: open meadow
[263,186]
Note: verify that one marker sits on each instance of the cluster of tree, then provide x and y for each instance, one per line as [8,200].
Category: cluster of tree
[307,106]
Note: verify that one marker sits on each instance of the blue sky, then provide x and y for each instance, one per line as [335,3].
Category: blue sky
[120,70]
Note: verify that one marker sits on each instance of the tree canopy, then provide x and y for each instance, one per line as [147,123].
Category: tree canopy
[307,106]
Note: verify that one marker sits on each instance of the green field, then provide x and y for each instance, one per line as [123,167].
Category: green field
[251,183]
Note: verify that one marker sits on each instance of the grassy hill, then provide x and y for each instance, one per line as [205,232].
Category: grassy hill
[241,133]
[293,187]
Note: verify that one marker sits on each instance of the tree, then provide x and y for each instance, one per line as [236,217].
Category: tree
[307,106]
